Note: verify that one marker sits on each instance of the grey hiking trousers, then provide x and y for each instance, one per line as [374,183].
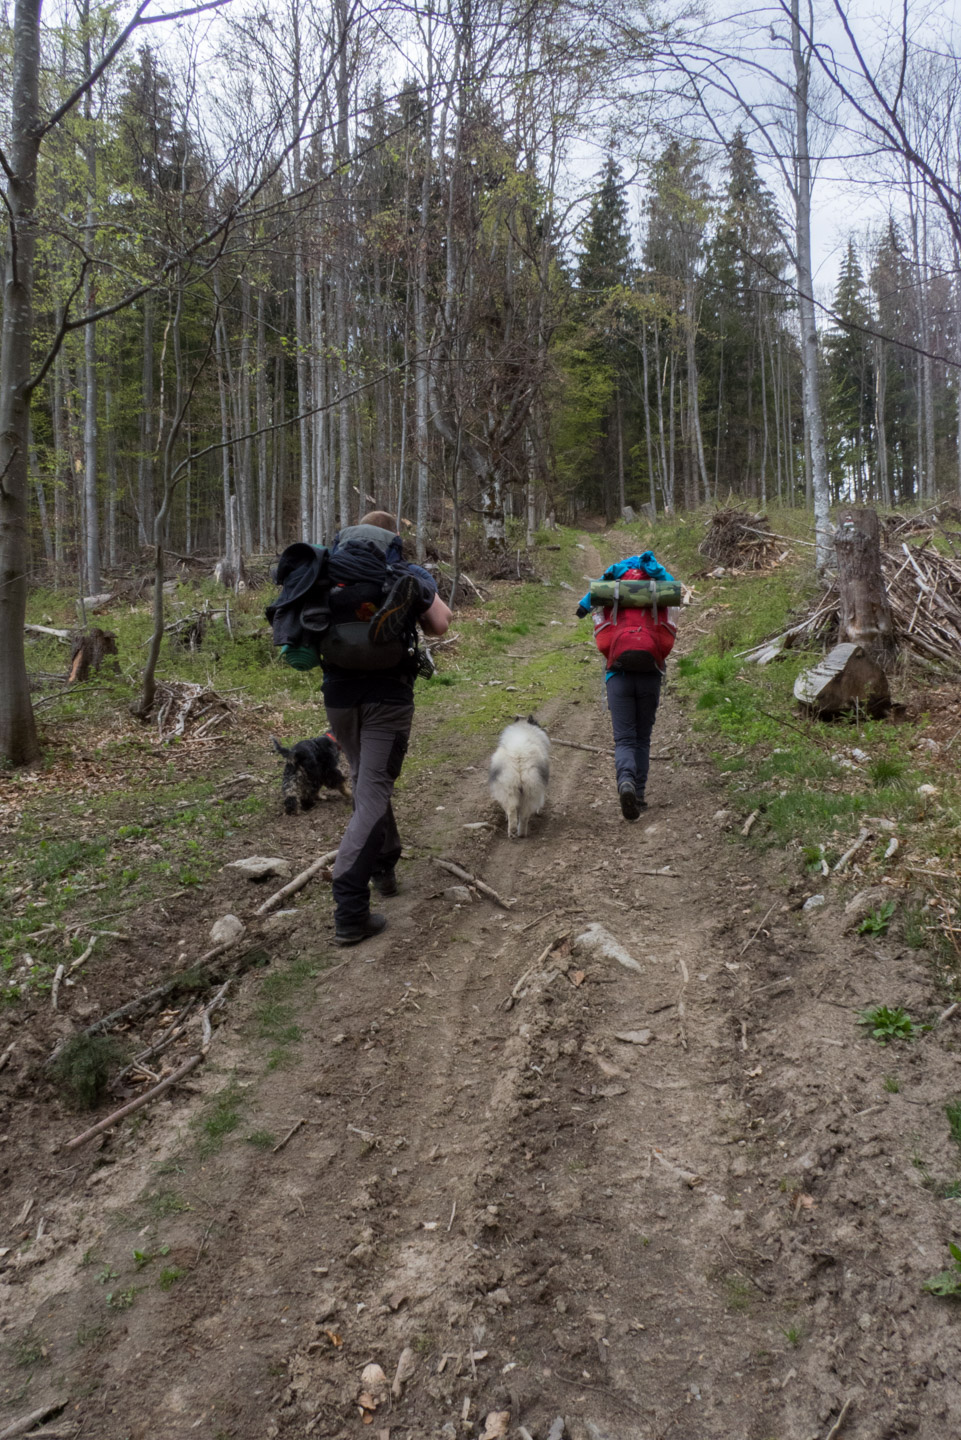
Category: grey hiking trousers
[374,737]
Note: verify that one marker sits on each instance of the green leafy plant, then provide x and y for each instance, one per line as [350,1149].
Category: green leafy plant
[889,1024]
[169,1276]
[144,1257]
[121,1299]
[878,921]
[948,1283]
[892,1084]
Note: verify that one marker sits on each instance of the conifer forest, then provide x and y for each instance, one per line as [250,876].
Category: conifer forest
[482,263]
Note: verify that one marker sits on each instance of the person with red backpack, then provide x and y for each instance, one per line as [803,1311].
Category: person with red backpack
[635,640]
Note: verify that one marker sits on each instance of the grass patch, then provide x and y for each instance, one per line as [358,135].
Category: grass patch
[219,1118]
[84,1066]
[164,1203]
[953,1111]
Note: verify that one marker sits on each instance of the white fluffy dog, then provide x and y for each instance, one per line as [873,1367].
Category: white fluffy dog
[519,771]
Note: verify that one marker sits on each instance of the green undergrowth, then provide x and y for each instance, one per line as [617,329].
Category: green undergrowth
[102,857]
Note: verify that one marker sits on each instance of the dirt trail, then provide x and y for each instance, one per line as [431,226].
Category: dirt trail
[719,1233]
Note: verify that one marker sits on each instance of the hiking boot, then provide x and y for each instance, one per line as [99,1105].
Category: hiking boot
[386,884]
[630,806]
[352,932]
[394,618]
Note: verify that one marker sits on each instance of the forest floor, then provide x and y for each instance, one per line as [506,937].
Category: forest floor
[717,1229]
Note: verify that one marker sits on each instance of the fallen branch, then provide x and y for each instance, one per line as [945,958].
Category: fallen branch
[576,745]
[836,1427]
[81,958]
[289,1136]
[469,879]
[55,987]
[851,851]
[36,1417]
[63,635]
[298,882]
[757,932]
[688,1176]
[137,1104]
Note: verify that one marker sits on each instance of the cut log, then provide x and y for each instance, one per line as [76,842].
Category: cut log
[866,618]
[846,678]
[90,649]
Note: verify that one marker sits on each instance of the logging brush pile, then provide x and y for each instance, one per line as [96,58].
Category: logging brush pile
[738,540]
[924,591]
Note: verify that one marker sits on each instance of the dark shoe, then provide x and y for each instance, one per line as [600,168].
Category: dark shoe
[356,930]
[394,618]
[630,808]
[386,884]
[641,802]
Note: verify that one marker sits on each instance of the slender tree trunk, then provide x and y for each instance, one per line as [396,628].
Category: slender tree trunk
[112,482]
[647,421]
[62,457]
[263,412]
[19,743]
[619,416]
[819,480]
[145,500]
[692,391]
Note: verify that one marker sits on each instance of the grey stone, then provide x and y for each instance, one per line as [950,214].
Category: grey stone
[226,930]
[260,867]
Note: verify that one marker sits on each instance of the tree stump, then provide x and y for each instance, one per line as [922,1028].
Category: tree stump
[89,650]
[866,618]
[844,680]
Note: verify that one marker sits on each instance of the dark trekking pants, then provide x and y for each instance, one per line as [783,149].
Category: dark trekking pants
[632,700]
[373,736]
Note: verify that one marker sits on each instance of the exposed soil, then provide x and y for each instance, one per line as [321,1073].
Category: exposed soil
[720,1233]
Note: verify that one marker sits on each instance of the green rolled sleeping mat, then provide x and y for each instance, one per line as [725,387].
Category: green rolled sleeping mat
[636,594]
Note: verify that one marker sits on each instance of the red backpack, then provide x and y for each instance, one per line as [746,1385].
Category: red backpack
[636,640]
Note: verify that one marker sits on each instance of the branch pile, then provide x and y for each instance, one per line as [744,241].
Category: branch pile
[738,540]
[924,591]
[180,704]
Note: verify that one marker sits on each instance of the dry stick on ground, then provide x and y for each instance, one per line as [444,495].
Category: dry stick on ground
[470,879]
[836,1427]
[27,1422]
[55,988]
[298,882]
[757,931]
[289,1136]
[851,851]
[156,1090]
[576,745]
[85,956]
[137,1104]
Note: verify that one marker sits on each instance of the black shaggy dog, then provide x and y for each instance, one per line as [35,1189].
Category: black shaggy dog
[311,766]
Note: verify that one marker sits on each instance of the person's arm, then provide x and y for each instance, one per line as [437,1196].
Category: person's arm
[436,618]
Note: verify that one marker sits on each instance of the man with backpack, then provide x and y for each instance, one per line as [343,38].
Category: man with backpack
[355,609]
[635,640]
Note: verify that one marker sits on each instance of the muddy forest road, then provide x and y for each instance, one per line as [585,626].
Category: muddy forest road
[717,1233]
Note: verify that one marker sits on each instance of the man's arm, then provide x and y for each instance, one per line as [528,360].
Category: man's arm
[436,618]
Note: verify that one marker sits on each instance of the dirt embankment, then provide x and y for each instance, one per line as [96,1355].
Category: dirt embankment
[716,1229]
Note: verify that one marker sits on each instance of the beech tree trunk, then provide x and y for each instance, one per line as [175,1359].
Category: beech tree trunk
[19,743]
[865,612]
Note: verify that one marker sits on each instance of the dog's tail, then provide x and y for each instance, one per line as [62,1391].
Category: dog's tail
[279,748]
